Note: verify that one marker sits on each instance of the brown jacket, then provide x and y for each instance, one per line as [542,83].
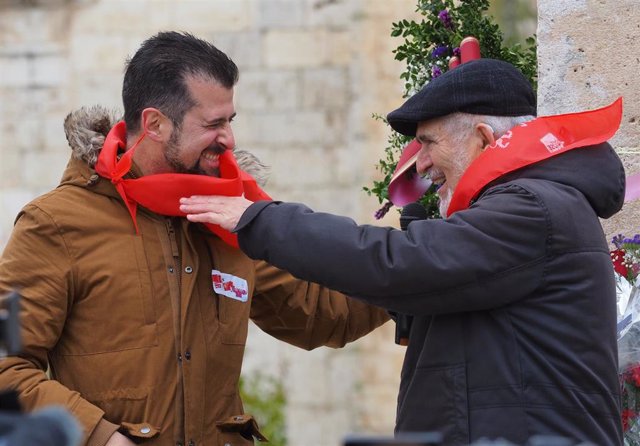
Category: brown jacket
[129,325]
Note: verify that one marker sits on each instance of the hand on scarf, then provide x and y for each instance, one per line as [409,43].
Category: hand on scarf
[215,209]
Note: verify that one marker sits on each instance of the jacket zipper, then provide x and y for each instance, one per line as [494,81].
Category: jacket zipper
[175,252]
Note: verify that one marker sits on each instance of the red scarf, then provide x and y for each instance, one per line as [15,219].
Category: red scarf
[534,141]
[161,193]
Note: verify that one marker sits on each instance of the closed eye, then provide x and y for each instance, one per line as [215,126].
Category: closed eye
[220,122]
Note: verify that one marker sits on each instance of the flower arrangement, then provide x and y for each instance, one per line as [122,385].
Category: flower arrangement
[626,256]
[626,262]
[630,385]
[428,46]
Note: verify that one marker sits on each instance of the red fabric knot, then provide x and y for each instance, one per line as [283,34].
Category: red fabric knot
[161,193]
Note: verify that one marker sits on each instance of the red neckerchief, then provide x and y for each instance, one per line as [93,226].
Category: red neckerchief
[161,193]
[534,141]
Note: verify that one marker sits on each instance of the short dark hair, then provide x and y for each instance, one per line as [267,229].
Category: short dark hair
[156,75]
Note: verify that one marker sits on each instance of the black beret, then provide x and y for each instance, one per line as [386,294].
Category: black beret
[479,87]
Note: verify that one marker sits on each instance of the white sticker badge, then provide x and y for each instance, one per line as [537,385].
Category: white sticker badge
[229,285]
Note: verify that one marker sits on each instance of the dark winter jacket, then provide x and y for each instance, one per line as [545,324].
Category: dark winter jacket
[513,299]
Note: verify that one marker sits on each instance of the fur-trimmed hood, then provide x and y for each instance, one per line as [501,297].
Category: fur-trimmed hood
[87,128]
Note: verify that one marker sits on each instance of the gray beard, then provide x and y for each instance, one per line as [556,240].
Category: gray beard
[444,203]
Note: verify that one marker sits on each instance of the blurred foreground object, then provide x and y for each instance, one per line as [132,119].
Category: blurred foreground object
[408,439]
[52,426]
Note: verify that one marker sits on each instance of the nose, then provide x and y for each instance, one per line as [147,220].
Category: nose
[423,162]
[225,138]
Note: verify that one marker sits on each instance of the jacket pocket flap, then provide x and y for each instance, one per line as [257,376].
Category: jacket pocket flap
[243,424]
[140,430]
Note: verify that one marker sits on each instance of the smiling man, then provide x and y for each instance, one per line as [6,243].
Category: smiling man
[512,294]
[140,316]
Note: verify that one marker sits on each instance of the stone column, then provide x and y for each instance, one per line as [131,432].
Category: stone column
[588,55]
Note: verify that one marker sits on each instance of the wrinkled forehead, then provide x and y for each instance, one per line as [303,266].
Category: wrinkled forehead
[432,129]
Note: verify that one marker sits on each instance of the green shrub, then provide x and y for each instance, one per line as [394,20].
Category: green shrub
[426,50]
[263,397]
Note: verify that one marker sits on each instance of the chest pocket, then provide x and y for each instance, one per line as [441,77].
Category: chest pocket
[113,309]
[228,264]
[234,320]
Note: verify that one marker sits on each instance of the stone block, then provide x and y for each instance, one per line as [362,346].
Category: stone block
[56,140]
[280,14]
[11,201]
[340,48]
[36,25]
[218,15]
[347,166]
[26,134]
[307,384]
[101,87]
[120,17]
[244,48]
[98,52]
[327,198]
[268,90]
[345,379]
[295,48]
[42,171]
[336,126]
[49,71]
[325,87]
[14,72]
[291,128]
[11,166]
[304,428]
[14,26]
[335,15]
[306,48]
[295,167]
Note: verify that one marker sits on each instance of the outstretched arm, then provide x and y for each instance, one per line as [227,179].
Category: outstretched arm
[463,263]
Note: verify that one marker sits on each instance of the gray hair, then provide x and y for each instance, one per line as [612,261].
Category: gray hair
[460,125]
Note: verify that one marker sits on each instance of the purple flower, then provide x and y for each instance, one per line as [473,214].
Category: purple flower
[383,210]
[439,51]
[456,51]
[435,71]
[622,242]
[445,18]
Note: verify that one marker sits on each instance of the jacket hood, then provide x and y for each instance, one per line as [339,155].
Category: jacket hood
[596,171]
[87,128]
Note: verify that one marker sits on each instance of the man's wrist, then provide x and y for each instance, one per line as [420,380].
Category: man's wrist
[102,432]
[251,212]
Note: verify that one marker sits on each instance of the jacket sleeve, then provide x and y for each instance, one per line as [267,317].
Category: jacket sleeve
[36,263]
[306,314]
[463,263]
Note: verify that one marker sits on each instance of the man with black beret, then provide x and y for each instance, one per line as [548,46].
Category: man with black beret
[512,293]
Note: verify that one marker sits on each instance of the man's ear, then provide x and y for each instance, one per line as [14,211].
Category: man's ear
[485,132]
[156,125]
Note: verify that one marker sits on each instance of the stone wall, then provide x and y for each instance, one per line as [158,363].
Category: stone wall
[587,57]
[312,73]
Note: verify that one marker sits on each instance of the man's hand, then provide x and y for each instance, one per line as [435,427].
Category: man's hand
[216,209]
[117,439]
